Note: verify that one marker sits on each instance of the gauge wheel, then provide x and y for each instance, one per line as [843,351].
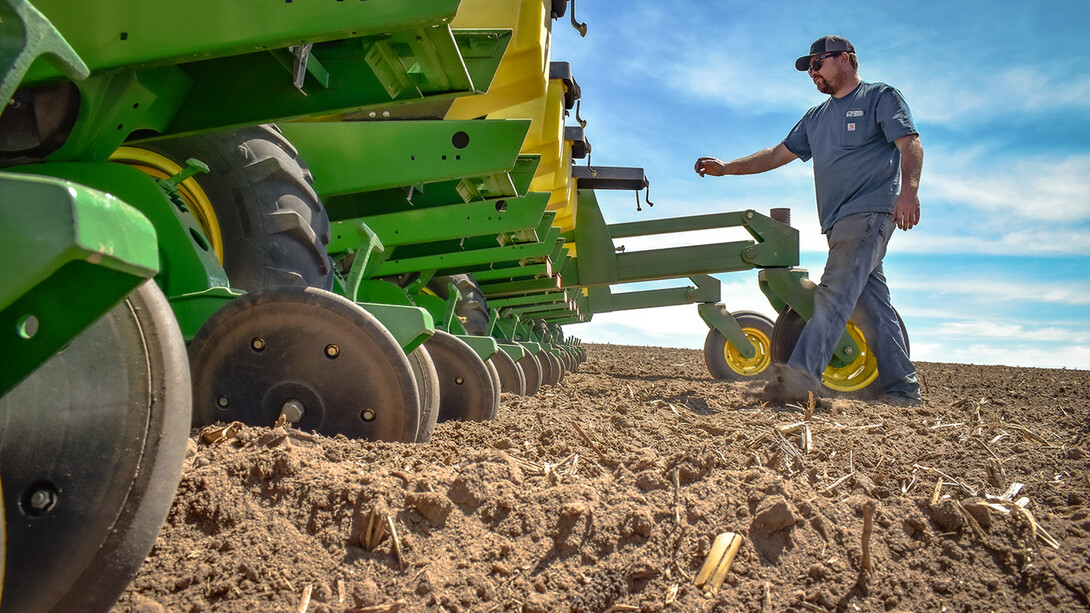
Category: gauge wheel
[850,377]
[466,388]
[256,205]
[723,359]
[91,451]
[311,355]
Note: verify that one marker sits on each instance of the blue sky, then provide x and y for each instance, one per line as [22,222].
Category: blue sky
[997,271]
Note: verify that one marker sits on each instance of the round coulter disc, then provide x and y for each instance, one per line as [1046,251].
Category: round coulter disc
[465,384]
[317,357]
[556,369]
[494,410]
[427,383]
[531,372]
[549,376]
[91,450]
[512,380]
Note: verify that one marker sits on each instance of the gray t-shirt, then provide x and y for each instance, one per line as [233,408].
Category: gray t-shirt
[857,168]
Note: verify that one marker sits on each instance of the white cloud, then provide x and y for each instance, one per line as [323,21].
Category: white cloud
[991,331]
[1027,242]
[961,95]
[1073,293]
[1007,354]
[1048,188]
[676,326]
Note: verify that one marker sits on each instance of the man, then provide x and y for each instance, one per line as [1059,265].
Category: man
[867,161]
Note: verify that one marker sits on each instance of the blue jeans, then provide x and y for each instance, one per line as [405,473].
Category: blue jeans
[853,286]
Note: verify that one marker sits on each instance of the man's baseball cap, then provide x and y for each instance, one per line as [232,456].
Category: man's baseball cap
[825,44]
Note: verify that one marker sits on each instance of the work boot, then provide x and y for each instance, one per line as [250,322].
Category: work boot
[902,401]
[791,385]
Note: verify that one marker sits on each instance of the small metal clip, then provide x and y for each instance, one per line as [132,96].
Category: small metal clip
[302,55]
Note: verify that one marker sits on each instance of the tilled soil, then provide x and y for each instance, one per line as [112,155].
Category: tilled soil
[606,492]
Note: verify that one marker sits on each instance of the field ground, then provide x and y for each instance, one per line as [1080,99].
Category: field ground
[607,491]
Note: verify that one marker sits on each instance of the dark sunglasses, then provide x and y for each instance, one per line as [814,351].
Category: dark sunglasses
[815,64]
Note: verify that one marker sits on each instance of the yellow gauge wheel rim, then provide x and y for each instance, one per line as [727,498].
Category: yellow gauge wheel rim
[750,367]
[162,167]
[861,372]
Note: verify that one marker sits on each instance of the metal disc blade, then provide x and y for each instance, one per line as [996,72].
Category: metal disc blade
[531,371]
[311,354]
[511,378]
[465,385]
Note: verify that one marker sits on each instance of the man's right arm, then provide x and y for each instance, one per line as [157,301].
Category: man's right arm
[762,161]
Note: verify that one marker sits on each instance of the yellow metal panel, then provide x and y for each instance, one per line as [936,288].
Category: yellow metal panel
[523,72]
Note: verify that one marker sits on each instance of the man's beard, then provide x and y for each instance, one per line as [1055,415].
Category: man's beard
[823,85]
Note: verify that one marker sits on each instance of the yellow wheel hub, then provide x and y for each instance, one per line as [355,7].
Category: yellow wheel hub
[161,167]
[749,367]
[860,373]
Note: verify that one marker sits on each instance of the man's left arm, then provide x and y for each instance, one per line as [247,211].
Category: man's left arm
[906,211]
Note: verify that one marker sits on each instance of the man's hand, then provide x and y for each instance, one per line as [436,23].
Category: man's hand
[710,166]
[906,211]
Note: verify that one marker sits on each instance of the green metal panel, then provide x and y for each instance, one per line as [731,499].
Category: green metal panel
[440,193]
[188,263]
[515,301]
[451,263]
[515,351]
[111,34]
[223,91]
[410,326]
[455,262]
[382,292]
[193,309]
[349,157]
[717,317]
[28,35]
[483,346]
[70,255]
[680,262]
[513,272]
[514,288]
[788,287]
[464,220]
[595,263]
[113,106]
[763,228]
[444,193]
